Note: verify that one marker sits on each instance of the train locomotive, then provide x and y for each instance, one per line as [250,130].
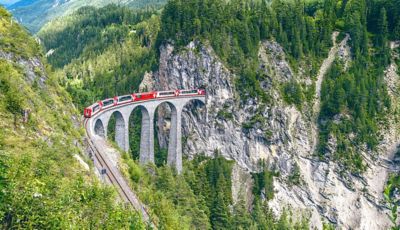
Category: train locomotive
[137,97]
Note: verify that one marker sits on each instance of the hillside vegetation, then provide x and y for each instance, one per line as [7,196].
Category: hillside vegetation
[42,185]
[201,198]
[103,52]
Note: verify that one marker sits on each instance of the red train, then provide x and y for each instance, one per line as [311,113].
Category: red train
[110,102]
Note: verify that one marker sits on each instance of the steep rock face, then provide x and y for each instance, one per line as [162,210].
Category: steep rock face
[279,134]
[189,69]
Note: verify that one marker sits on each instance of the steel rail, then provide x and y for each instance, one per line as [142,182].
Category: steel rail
[114,181]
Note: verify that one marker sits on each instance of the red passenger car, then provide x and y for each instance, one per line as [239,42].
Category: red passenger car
[145,96]
[92,110]
[119,100]
[202,92]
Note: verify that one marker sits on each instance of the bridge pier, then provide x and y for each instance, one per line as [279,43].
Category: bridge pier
[126,135]
[147,137]
[120,130]
[175,139]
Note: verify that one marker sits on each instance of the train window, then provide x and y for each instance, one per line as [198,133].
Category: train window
[126,98]
[108,102]
[95,108]
[139,96]
[188,91]
[167,93]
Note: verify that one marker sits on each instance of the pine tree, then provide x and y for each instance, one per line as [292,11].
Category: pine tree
[396,31]
[382,39]
[241,218]
[220,216]
[219,212]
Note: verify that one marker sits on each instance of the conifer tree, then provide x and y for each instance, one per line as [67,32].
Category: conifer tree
[241,218]
[382,39]
[396,31]
[220,217]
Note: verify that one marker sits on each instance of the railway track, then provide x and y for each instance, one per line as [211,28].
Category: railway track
[116,179]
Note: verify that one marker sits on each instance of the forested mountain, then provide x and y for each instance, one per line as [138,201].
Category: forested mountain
[35,14]
[303,30]
[302,106]
[98,46]
[42,184]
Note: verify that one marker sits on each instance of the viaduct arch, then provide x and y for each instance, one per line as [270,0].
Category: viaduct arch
[98,126]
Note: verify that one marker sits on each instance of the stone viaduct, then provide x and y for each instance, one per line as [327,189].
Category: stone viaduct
[98,125]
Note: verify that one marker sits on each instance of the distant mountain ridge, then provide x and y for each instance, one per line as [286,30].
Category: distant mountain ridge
[7,3]
[21,3]
[33,14]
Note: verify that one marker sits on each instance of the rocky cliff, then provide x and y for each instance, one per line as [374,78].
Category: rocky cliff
[281,135]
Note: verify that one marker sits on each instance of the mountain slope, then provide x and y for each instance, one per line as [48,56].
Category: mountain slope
[44,181]
[35,14]
[91,45]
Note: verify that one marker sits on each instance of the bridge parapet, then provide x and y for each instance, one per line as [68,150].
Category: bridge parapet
[98,125]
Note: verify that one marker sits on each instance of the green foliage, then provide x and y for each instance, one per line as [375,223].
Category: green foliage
[235,29]
[293,94]
[309,93]
[241,216]
[225,115]
[264,184]
[327,226]
[392,17]
[14,38]
[351,104]
[67,201]
[381,40]
[91,33]
[160,154]
[201,197]
[257,119]
[3,175]
[356,19]
[169,197]
[135,122]
[13,99]
[218,190]
[42,186]
[1,140]
[102,52]
[392,186]
[295,176]
[111,128]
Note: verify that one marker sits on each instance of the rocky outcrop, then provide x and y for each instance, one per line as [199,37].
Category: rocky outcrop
[242,186]
[279,134]
[33,67]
